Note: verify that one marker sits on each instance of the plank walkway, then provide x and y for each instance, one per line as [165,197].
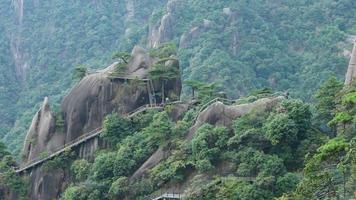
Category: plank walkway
[62,149]
[169,196]
[82,139]
[128,78]
[96,132]
[121,77]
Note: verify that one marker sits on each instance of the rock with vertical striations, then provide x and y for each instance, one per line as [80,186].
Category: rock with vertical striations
[351,70]
[163,31]
[84,110]
[42,137]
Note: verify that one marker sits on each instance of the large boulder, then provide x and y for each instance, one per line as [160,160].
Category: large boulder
[96,96]
[139,63]
[220,114]
[100,94]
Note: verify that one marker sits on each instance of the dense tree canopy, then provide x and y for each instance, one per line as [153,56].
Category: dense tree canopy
[297,149]
[240,45]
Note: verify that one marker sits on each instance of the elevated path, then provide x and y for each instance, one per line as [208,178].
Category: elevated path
[169,196]
[96,132]
[82,139]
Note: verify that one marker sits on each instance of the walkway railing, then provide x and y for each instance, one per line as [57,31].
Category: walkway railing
[142,109]
[128,78]
[82,138]
[150,106]
[61,149]
[166,194]
[223,100]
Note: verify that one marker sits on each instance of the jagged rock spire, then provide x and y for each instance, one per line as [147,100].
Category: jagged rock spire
[351,70]
[40,132]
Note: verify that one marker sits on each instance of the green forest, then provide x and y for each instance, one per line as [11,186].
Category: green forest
[292,150]
[281,45]
[277,153]
[302,147]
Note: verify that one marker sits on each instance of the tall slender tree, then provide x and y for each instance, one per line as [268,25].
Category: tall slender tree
[163,74]
[326,104]
[194,85]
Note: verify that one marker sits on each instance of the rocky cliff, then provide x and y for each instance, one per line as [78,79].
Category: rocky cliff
[83,110]
[42,137]
[42,41]
[351,70]
[215,114]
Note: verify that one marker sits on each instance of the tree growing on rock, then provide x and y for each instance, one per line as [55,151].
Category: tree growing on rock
[79,72]
[163,74]
[123,56]
[164,50]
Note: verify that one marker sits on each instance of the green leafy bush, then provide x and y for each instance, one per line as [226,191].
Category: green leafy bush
[116,128]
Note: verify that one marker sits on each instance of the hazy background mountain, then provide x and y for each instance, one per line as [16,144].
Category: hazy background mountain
[243,45]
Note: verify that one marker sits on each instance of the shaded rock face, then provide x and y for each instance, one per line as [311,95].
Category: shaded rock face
[84,110]
[46,185]
[174,86]
[177,112]
[351,70]
[42,136]
[96,96]
[163,31]
[188,38]
[140,62]
[194,33]
[190,35]
[220,114]
[7,194]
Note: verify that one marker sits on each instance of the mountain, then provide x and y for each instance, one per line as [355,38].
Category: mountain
[253,89]
[241,45]
[116,138]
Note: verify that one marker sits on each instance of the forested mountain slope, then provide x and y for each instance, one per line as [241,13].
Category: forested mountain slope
[243,45]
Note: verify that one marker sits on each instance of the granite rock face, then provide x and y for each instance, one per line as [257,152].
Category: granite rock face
[163,31]
[96,96]
[351,70]
[83,110]
[42,136]
[220,114]
[46,185]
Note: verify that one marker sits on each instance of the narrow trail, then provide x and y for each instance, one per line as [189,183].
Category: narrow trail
[83,138]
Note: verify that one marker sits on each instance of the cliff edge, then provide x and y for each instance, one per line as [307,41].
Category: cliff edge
[84,109]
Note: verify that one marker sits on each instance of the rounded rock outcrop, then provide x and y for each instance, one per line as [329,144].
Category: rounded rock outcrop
[84,109]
